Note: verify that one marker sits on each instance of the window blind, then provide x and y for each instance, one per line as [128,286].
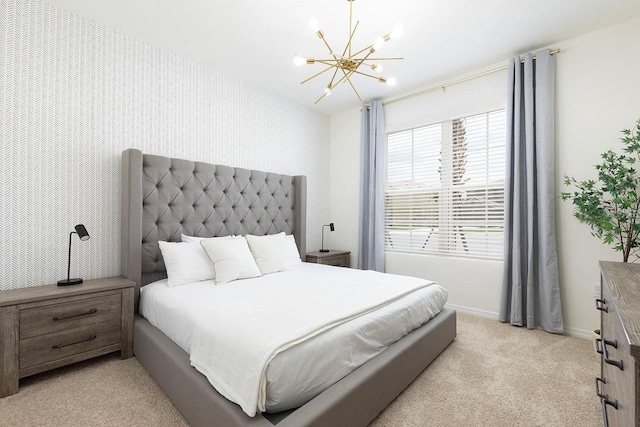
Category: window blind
[445,187]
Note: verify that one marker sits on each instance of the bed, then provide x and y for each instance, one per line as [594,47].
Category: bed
[163,198]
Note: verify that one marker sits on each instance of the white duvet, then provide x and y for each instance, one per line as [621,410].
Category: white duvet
[240,327]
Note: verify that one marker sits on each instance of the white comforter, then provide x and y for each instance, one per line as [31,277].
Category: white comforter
[250,323]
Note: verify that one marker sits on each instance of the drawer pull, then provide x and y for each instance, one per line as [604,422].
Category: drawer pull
[603,350]
[604,401]
[599,348]
[69,316]
[90,338]
[617,363]
[601,305]
[598,392]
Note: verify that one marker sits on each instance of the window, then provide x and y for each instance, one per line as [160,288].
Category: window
[445,187]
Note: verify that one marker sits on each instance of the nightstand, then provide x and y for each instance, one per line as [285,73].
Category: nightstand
[337,258]
[46,327]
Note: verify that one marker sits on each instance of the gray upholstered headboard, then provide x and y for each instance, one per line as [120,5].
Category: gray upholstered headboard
[163,198]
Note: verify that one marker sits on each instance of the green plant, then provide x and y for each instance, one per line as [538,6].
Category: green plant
[610,206]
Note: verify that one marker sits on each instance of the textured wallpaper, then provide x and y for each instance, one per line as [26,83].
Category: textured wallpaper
[74,94]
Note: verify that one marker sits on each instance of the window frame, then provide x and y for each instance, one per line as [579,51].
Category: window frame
[486,233]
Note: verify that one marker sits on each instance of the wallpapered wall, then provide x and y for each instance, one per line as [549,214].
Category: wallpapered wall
[74,94]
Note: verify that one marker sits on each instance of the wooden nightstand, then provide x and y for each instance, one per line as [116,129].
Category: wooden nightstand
[337,258]
[45,327]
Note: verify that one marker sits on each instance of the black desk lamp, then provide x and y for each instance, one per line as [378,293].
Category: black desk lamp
[83,235]
[332,228]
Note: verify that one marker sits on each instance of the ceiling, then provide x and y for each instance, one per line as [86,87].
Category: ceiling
[255,40]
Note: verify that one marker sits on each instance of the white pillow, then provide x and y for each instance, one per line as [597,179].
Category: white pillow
[186,263]
[292,251]
[197,239]
[270,252]
[231,258]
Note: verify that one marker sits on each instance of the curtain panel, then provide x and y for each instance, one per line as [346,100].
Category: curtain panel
[373,140]
[530,287]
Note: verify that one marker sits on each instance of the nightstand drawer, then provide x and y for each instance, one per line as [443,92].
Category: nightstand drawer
[62,316]
[47,348]
[338,261]
[331,257]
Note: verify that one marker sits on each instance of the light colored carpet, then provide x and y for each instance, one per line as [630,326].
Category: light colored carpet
[492,375]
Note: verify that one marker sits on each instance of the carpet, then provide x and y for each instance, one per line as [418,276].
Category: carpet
[493,374]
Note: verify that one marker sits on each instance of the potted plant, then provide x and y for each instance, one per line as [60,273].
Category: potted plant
[610,205]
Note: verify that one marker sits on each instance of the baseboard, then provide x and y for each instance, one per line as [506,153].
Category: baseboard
[471,310]
[579,333]
[572,332]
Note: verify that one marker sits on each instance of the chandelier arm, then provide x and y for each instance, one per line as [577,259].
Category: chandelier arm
[325,94]
[326,43]
[348,46]
[317,74]
[385,59]
[368,75]
[360,51]
[350,21]
[329,62]
[320,99]
[351,84]
[335,73]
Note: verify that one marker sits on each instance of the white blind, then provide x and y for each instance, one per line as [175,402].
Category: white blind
[445,187]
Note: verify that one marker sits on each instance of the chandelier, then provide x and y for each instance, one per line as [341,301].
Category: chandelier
[349,62]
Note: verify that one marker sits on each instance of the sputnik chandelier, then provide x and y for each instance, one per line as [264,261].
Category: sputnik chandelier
[348,63]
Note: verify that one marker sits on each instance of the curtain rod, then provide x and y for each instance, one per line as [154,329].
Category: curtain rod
[455,82]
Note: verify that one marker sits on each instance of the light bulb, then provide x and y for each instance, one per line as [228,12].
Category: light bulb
[299,60]
[376,67]
[378,43]
[327,91]
[397,31]
[391,81]
[313,24]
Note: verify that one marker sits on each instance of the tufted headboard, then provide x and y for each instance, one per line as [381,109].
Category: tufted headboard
[163,198]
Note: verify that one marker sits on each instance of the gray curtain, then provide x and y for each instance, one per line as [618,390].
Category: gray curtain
[530,286]
[373,140]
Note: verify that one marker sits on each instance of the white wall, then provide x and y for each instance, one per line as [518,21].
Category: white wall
[597,96]
[74,94]
[344,179]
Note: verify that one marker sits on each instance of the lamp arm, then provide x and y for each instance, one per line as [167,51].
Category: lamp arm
[69,258]
[322,244]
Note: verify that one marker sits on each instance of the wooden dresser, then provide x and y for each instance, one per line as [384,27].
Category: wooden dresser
[619,344]
[332,257]
[46,327]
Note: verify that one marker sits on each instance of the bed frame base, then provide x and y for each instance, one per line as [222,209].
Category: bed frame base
[353,401]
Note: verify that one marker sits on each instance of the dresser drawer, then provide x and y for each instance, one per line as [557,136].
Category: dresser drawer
[66,315]
[42,349]
[618,368]
[618,385]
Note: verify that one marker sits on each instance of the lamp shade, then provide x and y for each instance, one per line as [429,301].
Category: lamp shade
[83,234]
